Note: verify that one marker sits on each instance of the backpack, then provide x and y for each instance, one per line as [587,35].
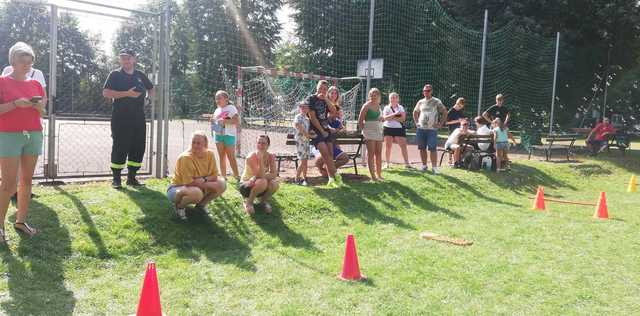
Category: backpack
[472,161]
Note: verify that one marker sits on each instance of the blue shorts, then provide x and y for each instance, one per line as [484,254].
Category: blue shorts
[16,144]
[227,140]
[427,139]
[502,145]
[172,191]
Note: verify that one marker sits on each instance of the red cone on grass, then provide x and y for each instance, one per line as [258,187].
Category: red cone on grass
[350,266]
[538,202]
[149,304]
[601,208]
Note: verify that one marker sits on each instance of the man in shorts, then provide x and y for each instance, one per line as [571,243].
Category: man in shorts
[429,115]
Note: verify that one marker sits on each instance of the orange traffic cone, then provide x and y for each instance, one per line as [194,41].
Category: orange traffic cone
[538,202]
[350,266]
[601,208]
[149,304]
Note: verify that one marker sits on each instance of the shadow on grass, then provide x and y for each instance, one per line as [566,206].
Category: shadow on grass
[93,233]
[35,273]
[354,200]
[588,170]
[273,224]
[525,179]
[461,185]
[630,161]
[198,235]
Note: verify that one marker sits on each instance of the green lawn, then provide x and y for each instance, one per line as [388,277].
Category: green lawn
[90,257]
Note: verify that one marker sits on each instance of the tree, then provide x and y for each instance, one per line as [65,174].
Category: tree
[78,68]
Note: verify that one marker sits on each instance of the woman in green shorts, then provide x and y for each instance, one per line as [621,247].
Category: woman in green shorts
[21,107]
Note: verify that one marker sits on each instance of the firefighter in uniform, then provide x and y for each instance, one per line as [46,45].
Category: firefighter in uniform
[127,88]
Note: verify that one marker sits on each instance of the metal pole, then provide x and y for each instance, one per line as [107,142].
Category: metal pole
[167,88]
[239,94]
[154,100]
[555,77]
[484,52]
[370,53]
[606,84]
[160,101]
[51,171]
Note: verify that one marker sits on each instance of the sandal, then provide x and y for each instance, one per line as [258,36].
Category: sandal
[3,236]
[249,208]
[267,207]
[25,229]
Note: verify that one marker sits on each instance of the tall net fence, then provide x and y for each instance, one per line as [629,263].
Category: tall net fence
[270,101]
[420,43]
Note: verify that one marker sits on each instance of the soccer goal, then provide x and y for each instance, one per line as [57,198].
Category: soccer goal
[268,101]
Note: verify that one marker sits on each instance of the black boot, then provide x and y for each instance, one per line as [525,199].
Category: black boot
[131,178]
[117,179]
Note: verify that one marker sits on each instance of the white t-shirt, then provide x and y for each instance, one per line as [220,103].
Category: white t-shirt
[429,112]
[484,130]
[227,111]
[34,74]
[387,111]
[453,138]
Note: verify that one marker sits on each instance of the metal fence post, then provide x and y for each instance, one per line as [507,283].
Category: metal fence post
[482,60]
[50,169]
[555,77]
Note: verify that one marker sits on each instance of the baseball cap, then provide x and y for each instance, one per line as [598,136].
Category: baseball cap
[127,51]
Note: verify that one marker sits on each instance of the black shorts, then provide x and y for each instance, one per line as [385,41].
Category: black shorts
[320,139]
[245,190]
[395,132]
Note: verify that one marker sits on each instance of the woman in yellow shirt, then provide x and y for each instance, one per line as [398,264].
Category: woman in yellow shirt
[196,178]
[259,176]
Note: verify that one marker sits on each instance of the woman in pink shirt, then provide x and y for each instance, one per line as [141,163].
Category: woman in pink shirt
[21,107]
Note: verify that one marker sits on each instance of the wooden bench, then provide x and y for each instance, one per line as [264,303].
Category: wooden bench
[342,138]
[618,140]
[551,145]
[471,143]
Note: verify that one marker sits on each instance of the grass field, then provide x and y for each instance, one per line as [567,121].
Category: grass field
[90,257]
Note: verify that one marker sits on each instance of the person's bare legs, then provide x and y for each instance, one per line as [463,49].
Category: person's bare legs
[423,156]
[272,188]
[378,156]
[188,195]
[371,152]
[388,143]
[231,156]
[27,166]
[258,187]
[321,167]
[302,169]
[214,190]
[327,157]
[9,171]
[433,155]
[402,142]
[222,155]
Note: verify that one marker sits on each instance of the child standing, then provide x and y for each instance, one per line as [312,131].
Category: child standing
[301,123]
[500,143]
[224,124]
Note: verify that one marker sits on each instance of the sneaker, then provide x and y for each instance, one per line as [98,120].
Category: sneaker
[409,166]
[304,183]
[134,182]
[435,170]
[116,184]
[424,168]
[181,213]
